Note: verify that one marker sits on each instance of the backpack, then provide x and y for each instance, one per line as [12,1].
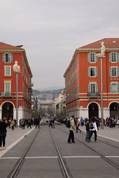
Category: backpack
[91,125]
[68,124]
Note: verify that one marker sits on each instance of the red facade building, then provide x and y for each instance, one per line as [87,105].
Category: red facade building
[9,94]
[88,95]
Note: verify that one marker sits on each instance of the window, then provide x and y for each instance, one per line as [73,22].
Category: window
[7,57]
[114,87]
[114,57]
[114,72]
[7,86]
[7,70]
[92,72]
[92,57]
[93,88]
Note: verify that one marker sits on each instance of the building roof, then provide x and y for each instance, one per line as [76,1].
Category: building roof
[10,47]
[108,42]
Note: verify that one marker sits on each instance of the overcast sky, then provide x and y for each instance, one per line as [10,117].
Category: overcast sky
[51,30]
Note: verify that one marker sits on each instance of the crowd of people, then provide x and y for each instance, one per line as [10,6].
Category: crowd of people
[92,125]
[28,123]
[11,124]
[111,122]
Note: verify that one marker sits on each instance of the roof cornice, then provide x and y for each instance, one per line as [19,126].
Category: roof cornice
[11,50]
[73,57]
[96,49]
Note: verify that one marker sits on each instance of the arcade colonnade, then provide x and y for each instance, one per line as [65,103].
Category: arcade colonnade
[94,109]
[8,110]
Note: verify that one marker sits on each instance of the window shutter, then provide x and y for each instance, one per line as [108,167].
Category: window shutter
[111,72]
[110,57]
[89,71]
[88,57]
[96,87]
[110,87]
[89,87]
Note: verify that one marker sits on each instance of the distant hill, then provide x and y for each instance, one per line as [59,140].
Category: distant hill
[46,94]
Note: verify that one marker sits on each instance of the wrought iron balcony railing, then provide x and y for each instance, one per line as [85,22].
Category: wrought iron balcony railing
[93,94]
[7,94]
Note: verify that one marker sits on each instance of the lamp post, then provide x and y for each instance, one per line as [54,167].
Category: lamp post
[100,56]
[16,69]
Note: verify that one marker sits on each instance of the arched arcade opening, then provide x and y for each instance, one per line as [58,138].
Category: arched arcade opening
[114,110]
[93,110]
[7,110]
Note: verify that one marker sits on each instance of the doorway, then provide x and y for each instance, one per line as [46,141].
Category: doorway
[114,110]
[7,110]
[93,110]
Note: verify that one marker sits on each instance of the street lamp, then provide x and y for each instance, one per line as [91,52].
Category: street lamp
[100,56]
[16,69]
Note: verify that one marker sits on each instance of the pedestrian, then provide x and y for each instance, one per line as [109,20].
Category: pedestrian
[12,124]
[93,129]
[3,132]
[87,130]
[50,122]
[77,124]
[71,130]
[22,123]
[37,122]
[29,123]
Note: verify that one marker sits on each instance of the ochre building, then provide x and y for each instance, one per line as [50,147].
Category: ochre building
[92,82]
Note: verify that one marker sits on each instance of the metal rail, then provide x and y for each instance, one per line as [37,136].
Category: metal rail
[17,167]
[62,163]
[109,161]
[106,143]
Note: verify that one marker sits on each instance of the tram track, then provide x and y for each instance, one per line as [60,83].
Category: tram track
[102,156]
[62,163]
[18,165]
[109,144]
[17,168]
[106,142]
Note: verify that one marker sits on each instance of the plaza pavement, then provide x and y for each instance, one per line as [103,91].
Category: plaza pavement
[13,137]
[109,133]
[16,135]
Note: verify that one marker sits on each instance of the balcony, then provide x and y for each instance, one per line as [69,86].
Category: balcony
[7,95]
[93,95]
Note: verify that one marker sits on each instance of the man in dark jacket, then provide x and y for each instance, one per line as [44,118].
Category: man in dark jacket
[3,132]
[87,125]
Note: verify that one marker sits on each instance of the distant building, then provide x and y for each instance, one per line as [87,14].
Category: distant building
[83,82]
[60,103]
[47,105]
[9,55]
[47,101]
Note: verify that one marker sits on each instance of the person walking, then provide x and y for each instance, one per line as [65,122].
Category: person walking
[93,129]
[29,123]
[87,130]
[37,122]
[77,124]
[12,125]
[3,132]
[71,130]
